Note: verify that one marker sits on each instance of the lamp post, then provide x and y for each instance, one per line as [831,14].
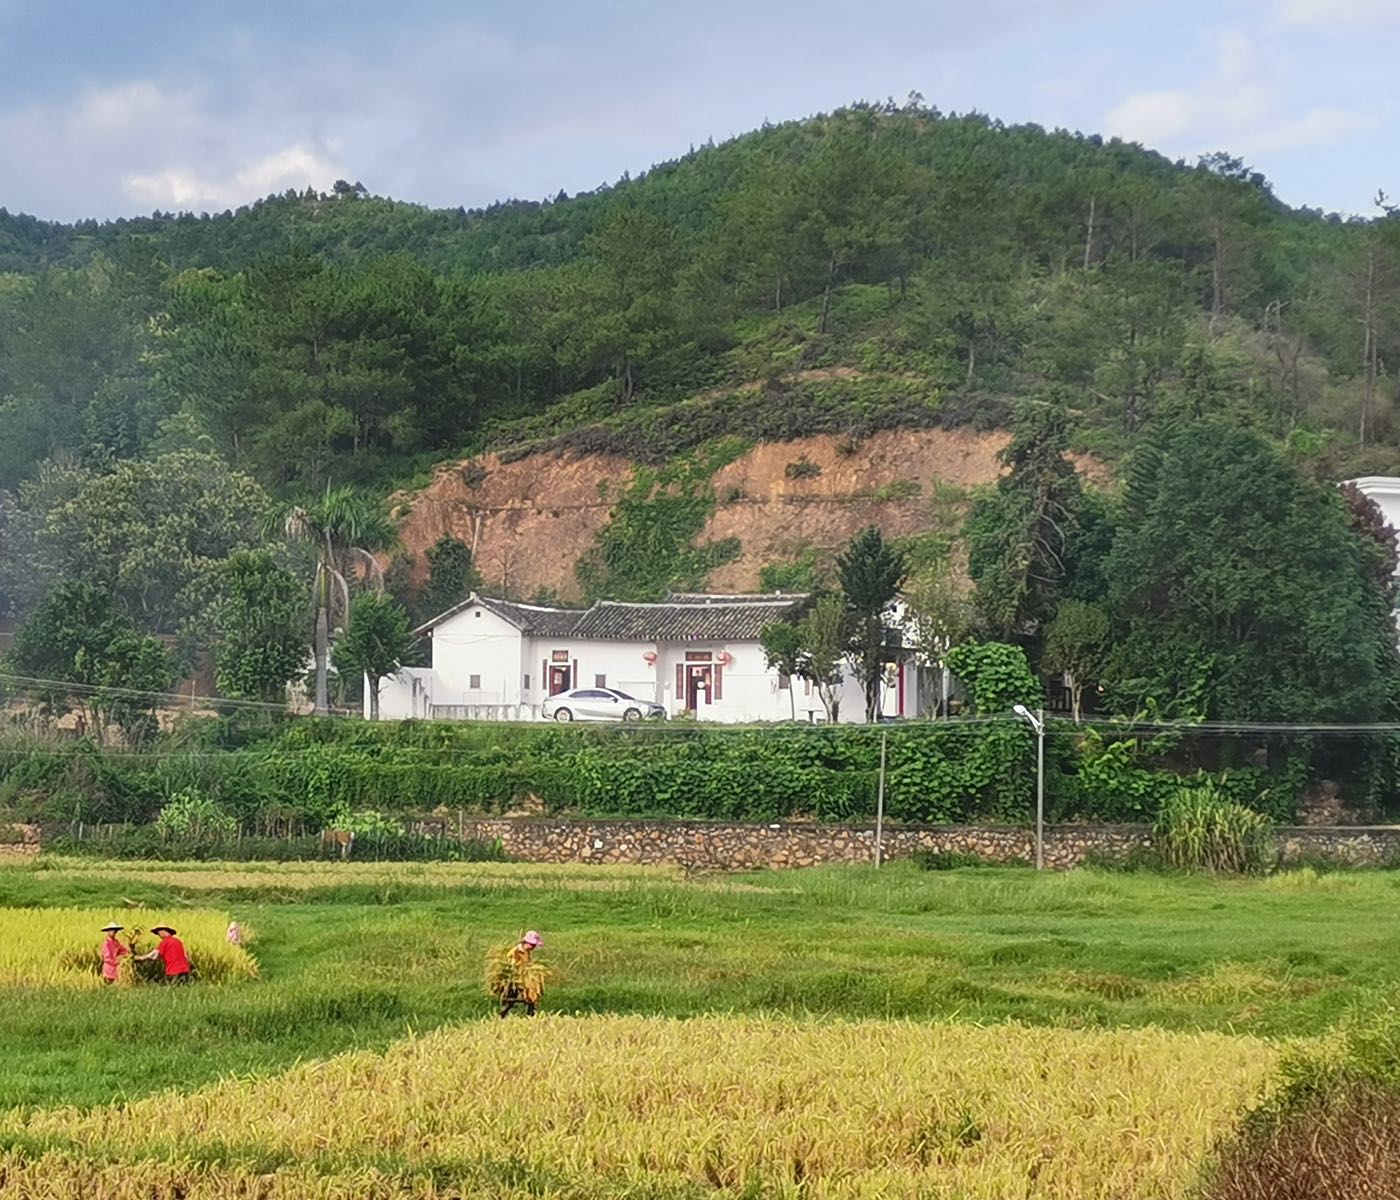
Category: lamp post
[880,803]
[1037,722]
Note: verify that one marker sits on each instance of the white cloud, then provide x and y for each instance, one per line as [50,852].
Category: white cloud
[296,166]
[1152,117]
[148,146]
[1237,106]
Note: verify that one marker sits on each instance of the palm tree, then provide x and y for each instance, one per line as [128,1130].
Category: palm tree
[345,527]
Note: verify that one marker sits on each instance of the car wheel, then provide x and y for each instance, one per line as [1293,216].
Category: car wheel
[632,714]
[563,714]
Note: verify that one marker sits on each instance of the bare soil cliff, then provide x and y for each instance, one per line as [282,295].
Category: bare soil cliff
[529,521]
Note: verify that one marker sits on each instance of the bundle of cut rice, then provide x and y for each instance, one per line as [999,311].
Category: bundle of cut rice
[512,977]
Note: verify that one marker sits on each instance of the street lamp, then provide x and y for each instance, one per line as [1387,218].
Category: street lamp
[1037,721]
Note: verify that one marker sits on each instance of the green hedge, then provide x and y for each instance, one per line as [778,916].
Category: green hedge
[145,843]
[303,773]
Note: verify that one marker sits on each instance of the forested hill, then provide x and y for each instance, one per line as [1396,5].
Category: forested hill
[686,193]
[954,264]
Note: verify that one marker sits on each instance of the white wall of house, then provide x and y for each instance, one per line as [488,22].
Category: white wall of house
[484,666]
[405,696]
[476,659]
[620,665]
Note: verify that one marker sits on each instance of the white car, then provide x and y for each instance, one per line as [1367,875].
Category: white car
[599,704]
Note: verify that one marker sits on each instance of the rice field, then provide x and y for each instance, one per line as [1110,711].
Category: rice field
[720,1106]
[60,947]
[308,876]
[823,1034]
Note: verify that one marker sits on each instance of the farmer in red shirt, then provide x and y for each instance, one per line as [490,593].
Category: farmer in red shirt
[171,951]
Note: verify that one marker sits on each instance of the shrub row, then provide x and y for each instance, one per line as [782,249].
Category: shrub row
[311,773]
[144,842]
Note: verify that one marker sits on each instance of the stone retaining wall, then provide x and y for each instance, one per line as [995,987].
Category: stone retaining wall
[19,839]
[702,845]
[721,846]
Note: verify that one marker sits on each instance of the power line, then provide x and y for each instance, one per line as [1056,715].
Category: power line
[181,698]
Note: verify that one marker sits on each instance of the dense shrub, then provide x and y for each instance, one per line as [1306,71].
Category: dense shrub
[1198,829]
[309,774]
[1332,1130]
[949,860]
[144,842]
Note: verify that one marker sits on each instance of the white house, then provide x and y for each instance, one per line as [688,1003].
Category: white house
[495,659]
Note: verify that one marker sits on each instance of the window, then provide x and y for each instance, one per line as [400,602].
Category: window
[600,681]
[474,683]
[784,681]
[527,683]
[477,614]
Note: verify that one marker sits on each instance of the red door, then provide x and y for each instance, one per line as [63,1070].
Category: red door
[699,686]
[559,680]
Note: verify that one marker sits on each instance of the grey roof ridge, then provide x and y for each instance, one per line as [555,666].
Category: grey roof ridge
[727,602]
[492,602]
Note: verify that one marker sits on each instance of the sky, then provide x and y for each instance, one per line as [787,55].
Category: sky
[119,109]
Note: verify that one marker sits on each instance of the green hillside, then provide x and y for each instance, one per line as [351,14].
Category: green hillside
[202,416]
[960,264]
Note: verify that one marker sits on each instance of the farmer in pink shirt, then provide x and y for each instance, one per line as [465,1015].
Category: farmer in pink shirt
[112,952]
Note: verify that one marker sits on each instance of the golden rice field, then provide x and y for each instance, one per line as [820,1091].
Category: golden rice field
[574,1107]
[60,947]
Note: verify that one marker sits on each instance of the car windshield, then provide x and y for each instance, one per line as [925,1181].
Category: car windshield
[621,695]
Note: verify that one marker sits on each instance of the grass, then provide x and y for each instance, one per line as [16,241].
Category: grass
[646,1106]
[356,956]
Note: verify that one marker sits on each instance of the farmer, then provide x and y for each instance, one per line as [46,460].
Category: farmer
[170,951]
[520,956]
[234,934]
[113,948]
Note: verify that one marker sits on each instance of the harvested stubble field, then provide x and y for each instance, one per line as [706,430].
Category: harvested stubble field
[974,1032]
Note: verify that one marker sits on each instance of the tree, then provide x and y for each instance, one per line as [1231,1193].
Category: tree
[260,621]
[344,528]
[870,571]
[1229,201]
[1240,593]
[376,644]
[637,260]
[825,636]
[152,533]
[1076,643]
[78,637]
[1017,535]
[996,675]
[939,615]
[782,652]
[452,576]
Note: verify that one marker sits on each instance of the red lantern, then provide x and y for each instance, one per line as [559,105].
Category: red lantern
[649,658]
[724,658]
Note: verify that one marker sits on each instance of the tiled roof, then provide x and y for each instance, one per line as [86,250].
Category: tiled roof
[728,618]
[528,618]
[685,617]
[535,619]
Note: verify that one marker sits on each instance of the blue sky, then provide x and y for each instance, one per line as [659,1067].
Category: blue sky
[111,109]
